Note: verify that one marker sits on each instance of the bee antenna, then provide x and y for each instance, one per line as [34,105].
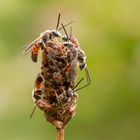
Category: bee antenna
[65,30]
[65,25]
[58,21]
[33,111]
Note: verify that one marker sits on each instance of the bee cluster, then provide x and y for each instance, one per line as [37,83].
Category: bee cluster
[55,86]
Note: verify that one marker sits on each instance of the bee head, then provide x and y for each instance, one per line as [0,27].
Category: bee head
[55,33]
[68,44]
[65,38]
[50,34]
[82,65]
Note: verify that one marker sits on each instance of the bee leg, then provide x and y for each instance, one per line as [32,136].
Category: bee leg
[36,95]
[88,80]
[34,53]
[78,83]
[32,113]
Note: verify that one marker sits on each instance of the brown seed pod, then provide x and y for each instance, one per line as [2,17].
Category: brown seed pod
[55,86]
[53,90]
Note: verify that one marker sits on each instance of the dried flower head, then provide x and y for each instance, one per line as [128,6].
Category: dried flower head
[55,86]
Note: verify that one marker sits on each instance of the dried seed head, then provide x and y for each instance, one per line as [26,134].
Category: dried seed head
[54,89]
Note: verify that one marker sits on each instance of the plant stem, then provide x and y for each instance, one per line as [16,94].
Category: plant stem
[60,134]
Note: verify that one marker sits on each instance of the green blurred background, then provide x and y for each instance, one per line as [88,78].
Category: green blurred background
[109,32]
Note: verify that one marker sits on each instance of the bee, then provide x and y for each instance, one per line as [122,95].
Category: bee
[72,43]
[42,40]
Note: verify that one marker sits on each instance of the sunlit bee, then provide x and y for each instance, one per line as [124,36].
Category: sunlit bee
[44,37]
[72,43]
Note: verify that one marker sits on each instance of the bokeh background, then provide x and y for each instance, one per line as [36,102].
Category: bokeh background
[109,32]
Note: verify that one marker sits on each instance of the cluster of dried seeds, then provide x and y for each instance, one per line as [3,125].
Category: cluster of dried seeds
[53,92]
[55,86]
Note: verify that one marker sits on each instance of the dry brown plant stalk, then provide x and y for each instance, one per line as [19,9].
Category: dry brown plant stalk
[60,134]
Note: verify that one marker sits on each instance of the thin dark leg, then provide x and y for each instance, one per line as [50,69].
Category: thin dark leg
[33,111]
[78,83]
[88,80]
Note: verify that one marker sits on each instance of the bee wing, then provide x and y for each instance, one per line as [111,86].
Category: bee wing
[70,35]
[29,47]
[64,30]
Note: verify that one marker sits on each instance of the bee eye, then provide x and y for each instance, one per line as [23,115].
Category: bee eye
[56,34]
[82,66]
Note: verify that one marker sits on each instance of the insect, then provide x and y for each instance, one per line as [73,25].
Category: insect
[42,40]
[72,43]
